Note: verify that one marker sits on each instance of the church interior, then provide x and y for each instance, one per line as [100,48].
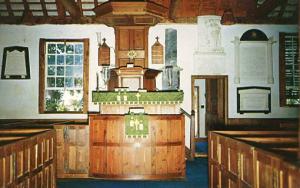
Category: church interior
[149,93]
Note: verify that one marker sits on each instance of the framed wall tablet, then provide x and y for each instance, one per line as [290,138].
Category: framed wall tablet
[253,100]
[15,63]
[253,58]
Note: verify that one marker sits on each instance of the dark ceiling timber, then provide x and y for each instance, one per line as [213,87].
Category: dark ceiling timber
[264,9]
[177,11]
[72,8]
[173,7]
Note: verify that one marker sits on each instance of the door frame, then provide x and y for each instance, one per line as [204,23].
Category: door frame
[206,77]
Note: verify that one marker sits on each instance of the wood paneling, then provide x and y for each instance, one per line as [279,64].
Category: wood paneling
[159,156]
[261,123]
[132,38]
[30,162]
[72,151]
[234,163]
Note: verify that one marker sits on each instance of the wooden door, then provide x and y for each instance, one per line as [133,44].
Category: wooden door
[215,102]
[72,151]
[132,40]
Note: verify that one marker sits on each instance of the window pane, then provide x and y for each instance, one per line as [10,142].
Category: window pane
[78,60]
[51,48]
[74,100]
[64,64]
[67,100]
[69,82]
[50,82]
[53,100]
[70,49]
[51,70]
[60,71]
[77,71]
[69,70]
[79,49]
[60,48]
[51,60]
[69,59]
[60,82]
[78,82]
[60,59]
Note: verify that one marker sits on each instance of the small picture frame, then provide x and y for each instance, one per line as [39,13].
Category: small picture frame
[253,100]
[15,63]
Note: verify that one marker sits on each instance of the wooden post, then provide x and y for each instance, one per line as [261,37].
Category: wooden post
[192,135]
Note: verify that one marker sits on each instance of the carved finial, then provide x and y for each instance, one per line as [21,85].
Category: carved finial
[157,38]
[104,40]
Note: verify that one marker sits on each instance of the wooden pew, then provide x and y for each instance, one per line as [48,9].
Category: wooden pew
[253,159]
[27,157]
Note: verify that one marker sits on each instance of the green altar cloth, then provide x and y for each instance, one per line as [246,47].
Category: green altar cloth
[136,97]
[136,125]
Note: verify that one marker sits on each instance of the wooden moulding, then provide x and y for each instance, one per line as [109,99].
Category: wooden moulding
[157,53]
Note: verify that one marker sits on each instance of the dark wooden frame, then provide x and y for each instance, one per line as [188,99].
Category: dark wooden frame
[225,102]
[42,48]
[253,111]
[282,96]
[4,62]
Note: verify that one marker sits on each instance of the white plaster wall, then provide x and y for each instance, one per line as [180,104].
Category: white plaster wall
[187,45]
[19,98]
[228,33]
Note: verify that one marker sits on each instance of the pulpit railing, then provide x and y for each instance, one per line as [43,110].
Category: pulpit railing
[191,118]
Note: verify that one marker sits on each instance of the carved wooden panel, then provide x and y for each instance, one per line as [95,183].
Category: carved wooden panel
[72,151]
[134,40]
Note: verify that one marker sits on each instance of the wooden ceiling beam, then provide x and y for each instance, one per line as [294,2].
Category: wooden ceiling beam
[44,8]
[72,8]
[96,3]
[8,7]
[282,8]
[79,3]
[61,11]
[49,20]
[28,18]
[266,8]
[174,4]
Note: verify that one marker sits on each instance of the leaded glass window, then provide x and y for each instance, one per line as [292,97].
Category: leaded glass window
[64,76]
